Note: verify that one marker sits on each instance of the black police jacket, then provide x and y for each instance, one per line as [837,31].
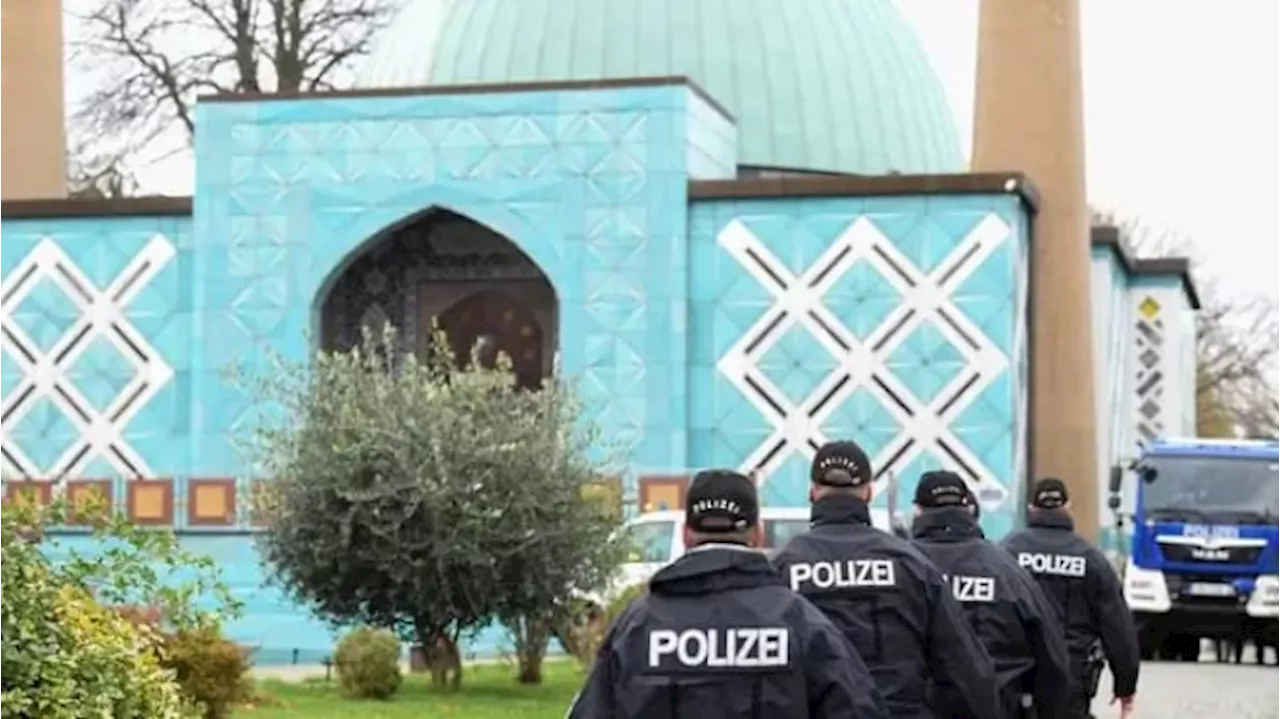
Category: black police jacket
[1082,586]
[1005,608]
[892,604]
[719,636]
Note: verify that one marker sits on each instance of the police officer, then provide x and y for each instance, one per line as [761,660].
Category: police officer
[885,595]
[1003,604]
[1080,583]
[720,635]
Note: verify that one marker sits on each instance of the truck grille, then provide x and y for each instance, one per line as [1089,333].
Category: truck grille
[1216,555]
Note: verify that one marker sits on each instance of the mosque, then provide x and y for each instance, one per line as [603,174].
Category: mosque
[743,232]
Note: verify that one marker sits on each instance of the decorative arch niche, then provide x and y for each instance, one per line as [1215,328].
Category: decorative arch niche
[444,267]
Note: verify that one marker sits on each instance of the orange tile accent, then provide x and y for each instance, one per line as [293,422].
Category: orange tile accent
[29,490]
[150,501]
[80,491]
[659,492]
[211,502]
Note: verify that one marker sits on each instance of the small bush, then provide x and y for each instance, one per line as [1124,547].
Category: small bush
[584,623]
[579,626]
[624,599]
[367,661]
[211,669]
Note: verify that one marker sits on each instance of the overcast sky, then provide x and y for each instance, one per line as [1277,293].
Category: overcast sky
[1182,112]
[1182,117]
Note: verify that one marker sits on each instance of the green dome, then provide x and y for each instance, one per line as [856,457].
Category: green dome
[835,85]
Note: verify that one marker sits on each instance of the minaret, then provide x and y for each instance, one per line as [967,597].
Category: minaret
[32,135]
[1029,116]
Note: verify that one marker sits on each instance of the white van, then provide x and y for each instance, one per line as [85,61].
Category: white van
[658,537]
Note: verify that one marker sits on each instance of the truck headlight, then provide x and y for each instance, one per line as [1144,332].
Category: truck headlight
[1145,590]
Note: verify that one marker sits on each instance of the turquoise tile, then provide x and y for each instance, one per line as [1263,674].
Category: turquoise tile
[731,299]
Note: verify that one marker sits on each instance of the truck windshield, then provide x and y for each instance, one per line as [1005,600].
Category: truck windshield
[1213,489]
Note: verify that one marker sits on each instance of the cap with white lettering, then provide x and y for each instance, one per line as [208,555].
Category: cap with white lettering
[941,488]
[721,500]
[841,464]
[1049,493]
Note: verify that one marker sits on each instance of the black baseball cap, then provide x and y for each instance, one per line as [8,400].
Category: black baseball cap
[942,488]
[1049,493]
[841,464]
[721,500]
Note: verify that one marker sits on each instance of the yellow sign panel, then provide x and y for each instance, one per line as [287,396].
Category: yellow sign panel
[1149,307]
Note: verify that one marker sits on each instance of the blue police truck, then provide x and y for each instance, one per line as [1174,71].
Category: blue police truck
[1203,557]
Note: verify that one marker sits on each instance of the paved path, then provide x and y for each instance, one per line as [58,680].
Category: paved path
[290,672]
[1203,690]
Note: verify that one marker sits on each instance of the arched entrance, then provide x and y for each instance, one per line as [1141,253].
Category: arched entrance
[476,284]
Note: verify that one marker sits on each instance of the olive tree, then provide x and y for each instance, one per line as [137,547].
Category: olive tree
[428,497]
[567,534]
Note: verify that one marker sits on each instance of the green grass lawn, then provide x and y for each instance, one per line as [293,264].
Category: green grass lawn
[487,692]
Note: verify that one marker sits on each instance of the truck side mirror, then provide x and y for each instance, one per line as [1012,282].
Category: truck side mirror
[1113,502]
[1116,479]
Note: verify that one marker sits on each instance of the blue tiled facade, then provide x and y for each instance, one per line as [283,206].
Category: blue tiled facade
[662,308]
[140,271]
[589,184]
[897,321]
[1144,335]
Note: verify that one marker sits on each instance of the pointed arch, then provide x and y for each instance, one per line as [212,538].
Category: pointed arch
[440,265]
[370,228]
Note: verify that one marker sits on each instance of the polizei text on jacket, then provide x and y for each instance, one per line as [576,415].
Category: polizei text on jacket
[849,573]
[715,648]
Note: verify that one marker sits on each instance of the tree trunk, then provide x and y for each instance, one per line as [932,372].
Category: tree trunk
[442,658]
[531,648]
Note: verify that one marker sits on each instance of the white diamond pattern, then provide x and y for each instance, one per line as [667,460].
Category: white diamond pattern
[799,300]
[46,374]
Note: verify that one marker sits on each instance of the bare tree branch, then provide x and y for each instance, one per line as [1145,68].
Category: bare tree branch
[1143,240]
[99,176]
[153,58]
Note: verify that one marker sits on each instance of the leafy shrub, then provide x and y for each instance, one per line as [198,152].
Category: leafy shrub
[579,626]
[210,669]
[64,653]
[623,600]
[367,661]
[65,656]
[584,623]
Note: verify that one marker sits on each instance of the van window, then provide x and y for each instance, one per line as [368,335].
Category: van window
[650,541]
[778,532]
